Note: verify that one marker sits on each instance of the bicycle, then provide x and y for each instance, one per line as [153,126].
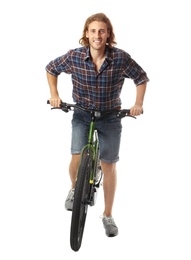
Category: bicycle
[89,173]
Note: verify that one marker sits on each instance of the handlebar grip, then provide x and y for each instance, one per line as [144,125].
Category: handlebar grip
[48,102]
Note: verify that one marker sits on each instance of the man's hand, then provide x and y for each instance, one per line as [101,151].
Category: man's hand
[55,101]
[136,110]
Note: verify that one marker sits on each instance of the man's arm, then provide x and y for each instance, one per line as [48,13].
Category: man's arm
[52,82]
[137,109]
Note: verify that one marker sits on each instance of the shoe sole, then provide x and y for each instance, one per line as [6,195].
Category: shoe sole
[112,235]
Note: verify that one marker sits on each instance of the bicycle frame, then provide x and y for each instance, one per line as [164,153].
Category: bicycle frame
[92,145]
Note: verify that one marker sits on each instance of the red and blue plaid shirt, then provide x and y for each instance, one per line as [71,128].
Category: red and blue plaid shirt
[98,90]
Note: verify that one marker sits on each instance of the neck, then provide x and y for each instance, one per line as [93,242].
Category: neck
[97,54]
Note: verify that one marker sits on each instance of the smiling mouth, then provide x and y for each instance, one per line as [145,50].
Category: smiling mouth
[97,41]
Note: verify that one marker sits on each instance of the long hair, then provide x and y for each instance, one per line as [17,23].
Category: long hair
[100,17]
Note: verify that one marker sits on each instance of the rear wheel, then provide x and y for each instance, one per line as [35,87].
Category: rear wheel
[80,205]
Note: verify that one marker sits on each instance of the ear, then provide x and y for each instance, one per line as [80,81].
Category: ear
[87,36]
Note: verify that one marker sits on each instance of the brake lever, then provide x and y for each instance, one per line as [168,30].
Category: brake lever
[124,113]
[65,109]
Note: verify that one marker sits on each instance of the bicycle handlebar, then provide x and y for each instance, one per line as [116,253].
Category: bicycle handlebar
[66,107]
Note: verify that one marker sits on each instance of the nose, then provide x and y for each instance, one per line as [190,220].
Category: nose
[97,34]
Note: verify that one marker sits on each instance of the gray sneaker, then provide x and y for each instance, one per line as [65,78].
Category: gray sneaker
[111,229]
[69,200]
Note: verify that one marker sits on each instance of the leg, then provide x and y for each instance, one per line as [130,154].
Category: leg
[79,139]
[109,186]
[73,168]
[109,133]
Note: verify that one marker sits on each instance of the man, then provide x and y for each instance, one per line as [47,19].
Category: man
[98,71]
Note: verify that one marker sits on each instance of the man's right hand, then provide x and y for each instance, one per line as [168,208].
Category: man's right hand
[55,101]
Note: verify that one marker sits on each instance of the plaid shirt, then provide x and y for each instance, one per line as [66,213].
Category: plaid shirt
[98,90]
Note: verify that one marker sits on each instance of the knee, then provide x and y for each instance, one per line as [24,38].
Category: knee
[108,167]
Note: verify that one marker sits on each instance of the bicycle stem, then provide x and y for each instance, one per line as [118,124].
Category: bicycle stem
[91,131]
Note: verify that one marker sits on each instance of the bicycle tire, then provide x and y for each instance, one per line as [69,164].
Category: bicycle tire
[80,204]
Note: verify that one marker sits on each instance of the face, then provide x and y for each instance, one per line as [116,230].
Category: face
[97,34]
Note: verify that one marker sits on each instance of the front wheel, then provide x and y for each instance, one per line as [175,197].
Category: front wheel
[80,205]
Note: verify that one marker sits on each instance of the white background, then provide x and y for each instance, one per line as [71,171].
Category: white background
[152,206]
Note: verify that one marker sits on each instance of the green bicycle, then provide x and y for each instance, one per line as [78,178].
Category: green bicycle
[89,173]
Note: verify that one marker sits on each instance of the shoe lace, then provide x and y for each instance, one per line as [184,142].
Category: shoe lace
[71,195]
[110,219]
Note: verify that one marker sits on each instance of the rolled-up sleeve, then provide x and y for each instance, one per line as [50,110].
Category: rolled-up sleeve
[59,65]
[135,72]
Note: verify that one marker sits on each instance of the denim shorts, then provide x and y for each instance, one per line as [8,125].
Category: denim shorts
[109,129]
